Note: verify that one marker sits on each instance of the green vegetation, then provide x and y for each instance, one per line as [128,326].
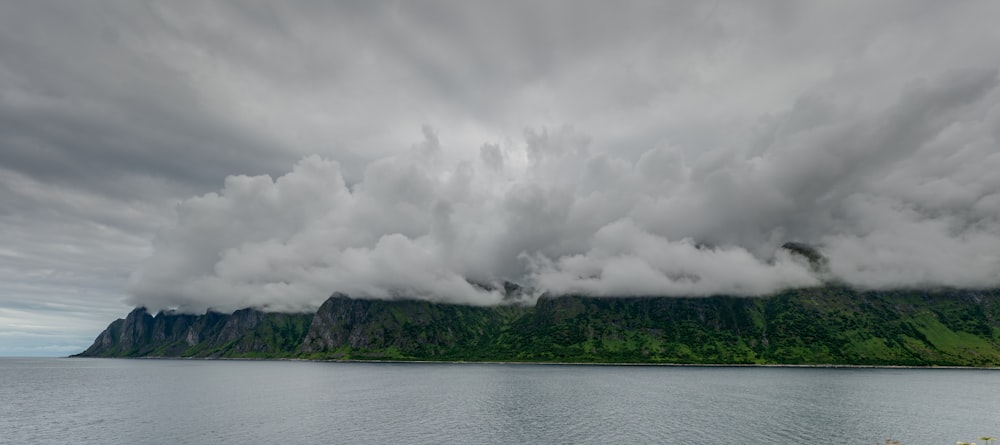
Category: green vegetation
[275,336]
[829,325]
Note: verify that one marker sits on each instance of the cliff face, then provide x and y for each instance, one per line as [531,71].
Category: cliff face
[241,333]
[808,326]
[344,327]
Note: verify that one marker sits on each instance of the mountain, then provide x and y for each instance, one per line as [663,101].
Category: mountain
[377,329]
[244,333]
[829,325]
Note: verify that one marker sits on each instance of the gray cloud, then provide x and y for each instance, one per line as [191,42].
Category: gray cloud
[573,219]
[573,145]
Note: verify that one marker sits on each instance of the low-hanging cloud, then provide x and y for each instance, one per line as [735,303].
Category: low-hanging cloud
[903,196]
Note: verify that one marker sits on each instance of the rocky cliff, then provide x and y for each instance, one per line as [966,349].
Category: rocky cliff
[345,327]
[808,326]
[246,332]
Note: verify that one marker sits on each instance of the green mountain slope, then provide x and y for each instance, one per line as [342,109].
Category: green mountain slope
[807,326]
[373,329]
[814,326]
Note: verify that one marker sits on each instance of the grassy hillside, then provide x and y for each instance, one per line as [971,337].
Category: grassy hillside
[814,326]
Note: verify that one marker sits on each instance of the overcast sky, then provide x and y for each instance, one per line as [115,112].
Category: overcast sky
[221,155]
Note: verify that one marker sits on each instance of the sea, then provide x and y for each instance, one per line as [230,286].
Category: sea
[148,401]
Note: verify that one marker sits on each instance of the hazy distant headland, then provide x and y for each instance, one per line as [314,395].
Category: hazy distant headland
[824,325]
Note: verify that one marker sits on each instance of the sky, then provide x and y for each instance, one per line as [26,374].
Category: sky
[220,155]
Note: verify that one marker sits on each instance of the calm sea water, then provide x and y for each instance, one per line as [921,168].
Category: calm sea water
[105,401]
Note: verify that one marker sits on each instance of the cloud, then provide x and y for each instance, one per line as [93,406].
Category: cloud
[625,260]
[869,189]
[723,127]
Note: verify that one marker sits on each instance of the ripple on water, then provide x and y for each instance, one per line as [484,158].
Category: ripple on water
[165,401]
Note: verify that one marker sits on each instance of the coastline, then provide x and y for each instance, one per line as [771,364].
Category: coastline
[506,362]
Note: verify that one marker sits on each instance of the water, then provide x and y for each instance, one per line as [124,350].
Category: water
[176,401]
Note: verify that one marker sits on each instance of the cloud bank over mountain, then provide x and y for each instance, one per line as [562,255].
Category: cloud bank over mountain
[576,146]
[903,196]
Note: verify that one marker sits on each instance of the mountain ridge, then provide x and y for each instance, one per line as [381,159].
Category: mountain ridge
[817,326]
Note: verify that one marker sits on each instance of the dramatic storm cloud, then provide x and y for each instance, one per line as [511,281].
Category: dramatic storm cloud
[232,154]
[883,194]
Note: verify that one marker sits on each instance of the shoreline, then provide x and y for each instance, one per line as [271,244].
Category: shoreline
[633,364]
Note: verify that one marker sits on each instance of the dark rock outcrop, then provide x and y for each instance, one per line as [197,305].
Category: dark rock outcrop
[817,261]
[137,329]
